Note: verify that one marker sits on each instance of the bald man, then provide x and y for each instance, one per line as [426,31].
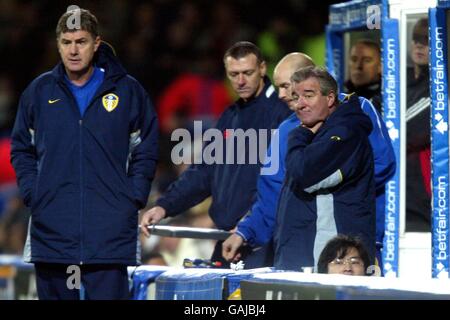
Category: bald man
[257,228]
[283,71]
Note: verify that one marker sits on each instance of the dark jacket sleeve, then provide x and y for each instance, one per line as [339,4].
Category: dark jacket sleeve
[316,163]
[144,155]
[23,152]
[191,188]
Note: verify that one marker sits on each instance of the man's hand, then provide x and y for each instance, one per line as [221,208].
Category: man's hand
[231,246]
[316,127]
[152,216]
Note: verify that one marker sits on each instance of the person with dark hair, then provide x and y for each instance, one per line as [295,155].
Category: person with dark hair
[84,148]
[329,184]
[231,185]
[418,167]
[344,255]
[365,71]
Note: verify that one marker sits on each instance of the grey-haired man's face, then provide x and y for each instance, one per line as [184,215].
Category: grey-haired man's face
[311,107]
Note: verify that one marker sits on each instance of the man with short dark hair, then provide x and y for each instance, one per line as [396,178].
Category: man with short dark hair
[84,147]
[256,229]
[231,185]
[365,71]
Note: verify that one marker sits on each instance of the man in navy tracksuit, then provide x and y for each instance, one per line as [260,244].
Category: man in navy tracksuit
[231,185]
[329,187]
[84,147]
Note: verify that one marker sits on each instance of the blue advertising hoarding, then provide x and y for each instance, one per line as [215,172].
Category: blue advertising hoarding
[366,15]
[439,139]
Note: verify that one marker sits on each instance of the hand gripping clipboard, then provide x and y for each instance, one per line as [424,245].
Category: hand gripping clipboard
[187,232]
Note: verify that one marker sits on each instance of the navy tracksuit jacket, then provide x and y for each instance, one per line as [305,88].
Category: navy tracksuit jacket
[85,177]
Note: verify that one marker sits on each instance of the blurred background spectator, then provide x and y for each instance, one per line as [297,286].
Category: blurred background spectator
[174,48]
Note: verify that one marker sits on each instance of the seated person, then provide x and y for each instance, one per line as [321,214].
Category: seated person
[344,255]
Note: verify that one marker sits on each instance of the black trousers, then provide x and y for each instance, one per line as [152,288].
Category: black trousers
[100,281]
